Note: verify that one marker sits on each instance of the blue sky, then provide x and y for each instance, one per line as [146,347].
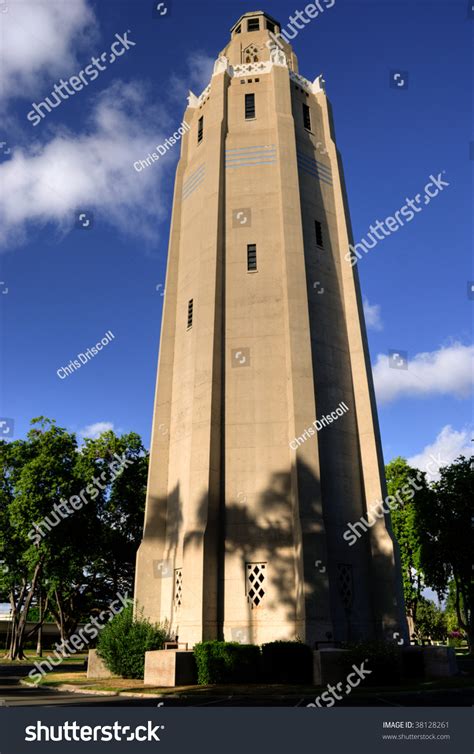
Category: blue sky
[68,286]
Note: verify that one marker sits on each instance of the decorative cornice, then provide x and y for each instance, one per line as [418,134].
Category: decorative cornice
[246,68]
[278,58]
[312,88]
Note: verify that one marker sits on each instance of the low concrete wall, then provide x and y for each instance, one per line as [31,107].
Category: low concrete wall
[170,667]
[328,666]
[96,668]
[439,662]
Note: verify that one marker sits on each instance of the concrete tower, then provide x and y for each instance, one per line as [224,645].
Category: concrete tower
[251,488]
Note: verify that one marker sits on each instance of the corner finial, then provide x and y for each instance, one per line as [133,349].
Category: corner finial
[319,84]
[193,101]
[278,57]
[221,65]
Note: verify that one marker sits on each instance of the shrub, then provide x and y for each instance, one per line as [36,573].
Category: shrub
[287,662]
[227,662]
[456,638]
[383,660]
[124,640]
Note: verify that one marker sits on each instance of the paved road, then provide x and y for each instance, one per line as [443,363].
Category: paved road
[13,694]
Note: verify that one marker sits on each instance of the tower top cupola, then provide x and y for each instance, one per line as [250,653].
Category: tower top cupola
[253,38]
[255,21]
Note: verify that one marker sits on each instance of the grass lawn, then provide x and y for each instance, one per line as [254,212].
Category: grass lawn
[121,685]
[32,657]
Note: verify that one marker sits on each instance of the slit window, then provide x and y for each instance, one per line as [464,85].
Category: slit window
[270,26]
[190,313]
[238,29]
[249,106]
[253,24]
[200,129]
[307,117]
[252,258]
[319,234]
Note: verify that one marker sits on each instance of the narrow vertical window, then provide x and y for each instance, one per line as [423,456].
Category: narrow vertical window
[346,584]
[251,258]
[249,106]
[307,117]
[319,234]
[256,583]
[200,129]
[178,588]
[190,313]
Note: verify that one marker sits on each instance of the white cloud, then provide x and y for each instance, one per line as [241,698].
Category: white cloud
[38,41]
[59,171]
[48,182]
[447,371]
[372,316]
[449,445]
[200,68]
[94,430]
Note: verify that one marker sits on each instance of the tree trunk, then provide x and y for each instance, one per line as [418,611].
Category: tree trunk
[64,613]
[39,643]
[15,651]
[20,609]
[465,616]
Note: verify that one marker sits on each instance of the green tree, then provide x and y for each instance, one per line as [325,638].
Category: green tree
[120,508]
[399,475]
[72,561]
[88,579]
[35,473]
[451,612]
[430,621]
[444,525]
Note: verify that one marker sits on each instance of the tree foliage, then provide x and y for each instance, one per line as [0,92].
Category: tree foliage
[430,621]
[446,536]
[70,523]
[436,538]
[399,474]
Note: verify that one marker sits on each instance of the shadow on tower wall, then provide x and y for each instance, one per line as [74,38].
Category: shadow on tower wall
[319,602]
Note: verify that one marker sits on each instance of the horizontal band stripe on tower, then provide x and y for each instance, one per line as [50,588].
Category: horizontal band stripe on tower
[315,163]
[194,181]
[314,168]
[247,156]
